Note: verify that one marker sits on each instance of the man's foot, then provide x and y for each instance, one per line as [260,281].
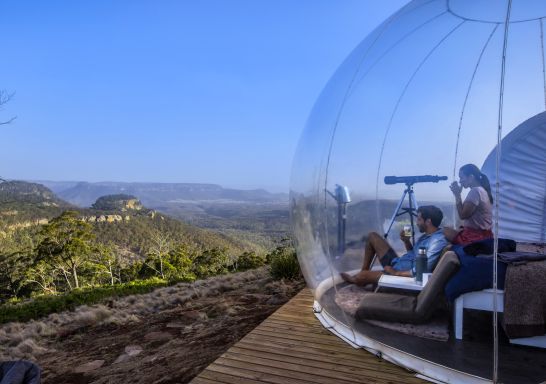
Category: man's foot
[348,278]
[364,278]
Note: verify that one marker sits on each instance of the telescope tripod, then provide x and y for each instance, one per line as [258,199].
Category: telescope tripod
[410,210]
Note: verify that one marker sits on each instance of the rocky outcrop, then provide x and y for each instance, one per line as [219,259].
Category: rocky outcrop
[106,218]
[26,224]
[119,203]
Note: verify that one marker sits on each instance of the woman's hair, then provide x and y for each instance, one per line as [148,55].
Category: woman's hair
[471,169]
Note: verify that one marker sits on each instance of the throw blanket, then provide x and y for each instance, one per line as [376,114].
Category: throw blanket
[520,257]
[19,372]
[525,300]
[486,247]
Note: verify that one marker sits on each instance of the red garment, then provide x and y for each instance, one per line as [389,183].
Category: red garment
[469,235]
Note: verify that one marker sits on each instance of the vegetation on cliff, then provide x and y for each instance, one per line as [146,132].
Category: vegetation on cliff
[66,256]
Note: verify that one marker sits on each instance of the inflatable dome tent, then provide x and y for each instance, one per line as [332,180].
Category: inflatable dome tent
[439,84]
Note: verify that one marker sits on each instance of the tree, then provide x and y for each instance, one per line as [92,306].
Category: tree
[5,97]
[210,262]
[43,275]
[104,261]
[66,244]
[180,261]
[15,259]
[158,251]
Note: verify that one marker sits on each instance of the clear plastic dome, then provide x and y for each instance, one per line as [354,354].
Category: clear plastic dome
[440,84]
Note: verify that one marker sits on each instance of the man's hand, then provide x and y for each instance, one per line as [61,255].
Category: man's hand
[403,236]
[406,240]
[390,270]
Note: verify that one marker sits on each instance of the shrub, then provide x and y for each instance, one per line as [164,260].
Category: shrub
[249,260]
[284,263]
[44,305]
[210,262]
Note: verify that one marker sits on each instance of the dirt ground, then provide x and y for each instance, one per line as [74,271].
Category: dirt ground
[167,343]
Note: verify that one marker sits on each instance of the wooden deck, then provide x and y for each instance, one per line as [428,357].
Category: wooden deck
[292,347]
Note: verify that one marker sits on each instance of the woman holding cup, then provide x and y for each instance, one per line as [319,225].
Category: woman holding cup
[476,210]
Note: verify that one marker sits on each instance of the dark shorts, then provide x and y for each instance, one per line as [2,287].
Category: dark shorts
[388,257]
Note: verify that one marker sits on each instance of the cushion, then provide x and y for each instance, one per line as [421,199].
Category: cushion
[475,274]
[387,306]
[429,297]
[410,309]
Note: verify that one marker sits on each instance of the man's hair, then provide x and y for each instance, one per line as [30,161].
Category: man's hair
[431,212]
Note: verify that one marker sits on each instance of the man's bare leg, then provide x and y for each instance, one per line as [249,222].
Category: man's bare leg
[363,278]
[376,245]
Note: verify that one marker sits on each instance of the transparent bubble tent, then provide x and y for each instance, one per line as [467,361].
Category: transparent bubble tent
[439,84]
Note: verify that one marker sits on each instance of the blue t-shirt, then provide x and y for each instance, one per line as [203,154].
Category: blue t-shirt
[434,243]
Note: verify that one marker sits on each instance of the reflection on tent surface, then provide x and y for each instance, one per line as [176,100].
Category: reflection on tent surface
[472,355]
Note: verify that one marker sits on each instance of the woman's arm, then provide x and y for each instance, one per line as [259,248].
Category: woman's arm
[465,209]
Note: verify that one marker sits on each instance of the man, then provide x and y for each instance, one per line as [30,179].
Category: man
[429,219]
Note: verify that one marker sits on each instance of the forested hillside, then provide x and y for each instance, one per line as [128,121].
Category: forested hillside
[252,217]
[49,246]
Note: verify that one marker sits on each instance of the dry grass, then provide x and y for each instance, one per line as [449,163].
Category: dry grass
[29,340]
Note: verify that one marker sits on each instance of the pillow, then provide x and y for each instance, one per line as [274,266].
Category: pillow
[388,307]
[474,274]
[427,299]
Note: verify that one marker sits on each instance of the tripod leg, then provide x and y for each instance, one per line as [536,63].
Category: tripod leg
[411,211]
[396,212]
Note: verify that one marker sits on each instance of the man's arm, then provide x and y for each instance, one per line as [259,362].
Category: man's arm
[391,271]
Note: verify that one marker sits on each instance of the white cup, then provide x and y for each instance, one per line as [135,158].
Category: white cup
[425,278]
[407,230]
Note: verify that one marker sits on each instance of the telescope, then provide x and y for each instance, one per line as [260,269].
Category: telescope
[413,179]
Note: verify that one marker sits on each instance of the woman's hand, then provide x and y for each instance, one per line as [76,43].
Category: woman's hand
[456,189]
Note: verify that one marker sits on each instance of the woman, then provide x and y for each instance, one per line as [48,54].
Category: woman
[476,210]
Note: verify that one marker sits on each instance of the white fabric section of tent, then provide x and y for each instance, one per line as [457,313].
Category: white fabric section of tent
[522,201]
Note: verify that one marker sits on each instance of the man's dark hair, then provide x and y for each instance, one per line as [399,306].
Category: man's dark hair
[431,212]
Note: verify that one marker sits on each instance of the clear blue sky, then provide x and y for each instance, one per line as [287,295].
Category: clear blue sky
[169,91]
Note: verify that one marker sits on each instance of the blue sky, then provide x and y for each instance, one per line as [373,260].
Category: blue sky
[169,91]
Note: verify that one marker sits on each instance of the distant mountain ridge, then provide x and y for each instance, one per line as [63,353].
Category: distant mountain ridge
[25,205]
[84,194]
[23,192]
[257,216]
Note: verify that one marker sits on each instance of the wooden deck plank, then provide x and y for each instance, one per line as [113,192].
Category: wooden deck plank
[292,347]
[302,350]
[315,358]
[337,367]
[220,377]
[255,373]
